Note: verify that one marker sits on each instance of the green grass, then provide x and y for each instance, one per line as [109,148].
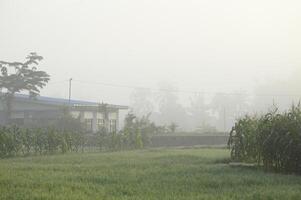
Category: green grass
[147,174]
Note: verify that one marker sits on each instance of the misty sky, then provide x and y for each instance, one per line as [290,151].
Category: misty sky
[203,45]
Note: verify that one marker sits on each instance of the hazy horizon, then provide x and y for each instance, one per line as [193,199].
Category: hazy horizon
[109,47]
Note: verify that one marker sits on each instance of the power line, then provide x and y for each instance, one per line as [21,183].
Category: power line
[183,91]
[148,88]
[57,82]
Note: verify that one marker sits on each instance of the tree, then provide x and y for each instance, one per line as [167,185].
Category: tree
[137,131]
[141,102]
[228,108]
[198,112]
[169,108]
[172,127]
[21,76]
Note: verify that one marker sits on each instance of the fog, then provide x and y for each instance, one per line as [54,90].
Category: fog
[189,62]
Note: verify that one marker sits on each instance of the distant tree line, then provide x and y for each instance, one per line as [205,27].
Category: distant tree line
[200,115]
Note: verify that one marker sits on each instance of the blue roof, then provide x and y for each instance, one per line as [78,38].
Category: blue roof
[61,101]
[55,100]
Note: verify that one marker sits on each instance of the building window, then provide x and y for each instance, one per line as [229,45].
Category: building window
[100,123]
[89,124]
[113,127]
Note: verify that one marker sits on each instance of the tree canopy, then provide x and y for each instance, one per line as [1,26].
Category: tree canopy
[23,76]
[17,77]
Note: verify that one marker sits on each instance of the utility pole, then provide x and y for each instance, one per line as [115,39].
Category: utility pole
[70,90]
[225,119]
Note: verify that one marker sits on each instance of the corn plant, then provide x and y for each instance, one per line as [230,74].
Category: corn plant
[272,140]
[24,141]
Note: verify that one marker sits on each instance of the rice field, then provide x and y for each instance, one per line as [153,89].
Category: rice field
[144,174]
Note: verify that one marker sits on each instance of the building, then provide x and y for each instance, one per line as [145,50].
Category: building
[93,115]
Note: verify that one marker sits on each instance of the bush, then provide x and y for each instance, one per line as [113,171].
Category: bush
[135,135]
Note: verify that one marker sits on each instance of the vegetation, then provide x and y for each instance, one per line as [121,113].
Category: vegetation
[135,134]
[66,134]
[16,141]
[21,76]
[272,140]
[143,174]
[172,127]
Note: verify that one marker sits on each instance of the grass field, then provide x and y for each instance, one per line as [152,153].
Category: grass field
[145,174]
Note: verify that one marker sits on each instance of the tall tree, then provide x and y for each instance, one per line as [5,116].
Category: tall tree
[169,107]
[228,108]
[198,112]
[141,102]
[21,76]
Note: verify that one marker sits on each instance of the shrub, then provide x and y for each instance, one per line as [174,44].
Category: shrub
[135,134]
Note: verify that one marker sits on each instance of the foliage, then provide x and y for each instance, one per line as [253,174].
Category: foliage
[21,76]
[273,140]
[172,127]
[135,134]
[66,122]
[67,135]
[23,141]
[103,138]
